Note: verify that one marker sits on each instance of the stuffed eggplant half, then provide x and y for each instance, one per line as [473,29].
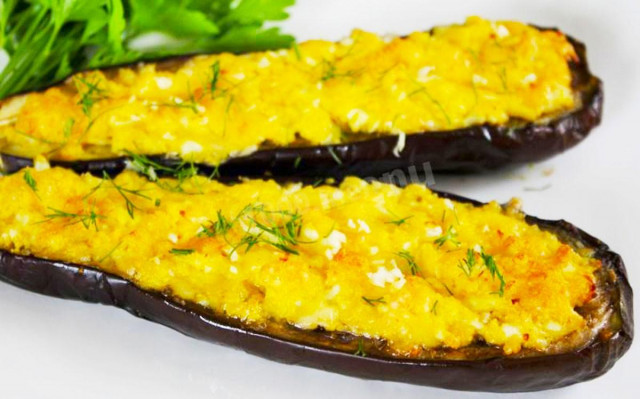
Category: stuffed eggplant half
[365,279]
[463,97]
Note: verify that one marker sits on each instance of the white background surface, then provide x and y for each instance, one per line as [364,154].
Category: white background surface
[51,348]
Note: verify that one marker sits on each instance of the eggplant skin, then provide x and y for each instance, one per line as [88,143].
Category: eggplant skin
[492,374]
[473,149]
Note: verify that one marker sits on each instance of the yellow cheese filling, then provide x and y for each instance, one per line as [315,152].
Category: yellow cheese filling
[398,264]
[212,107]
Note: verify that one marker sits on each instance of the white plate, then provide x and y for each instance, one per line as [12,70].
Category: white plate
[51,348]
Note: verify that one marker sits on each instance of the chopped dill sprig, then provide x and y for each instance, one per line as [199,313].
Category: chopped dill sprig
[230,102]
[145,166]
[34,138]
[490,264]
[66,132]
[466,265]
[124,192]
[434,101]
[400,221]
[31,182]
[333,154]
[263,227]
[87,220]
[360,351]
[191,104]
[182,251]
[220,227]
[296,163]
[503,78]
[110,253]
[216,172]
[150,168]
[413,266]
[285,234]
[248,241]
[434,308]
[329,71]
[91,95]
[450,236]
[215,71]
[373,301]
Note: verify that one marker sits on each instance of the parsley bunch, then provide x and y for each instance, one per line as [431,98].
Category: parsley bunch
[44,41]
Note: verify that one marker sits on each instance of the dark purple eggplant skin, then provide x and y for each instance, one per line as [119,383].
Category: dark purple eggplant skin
[496,373]
[472,149]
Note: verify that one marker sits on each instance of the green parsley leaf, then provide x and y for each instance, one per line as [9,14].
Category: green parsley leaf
[46,41]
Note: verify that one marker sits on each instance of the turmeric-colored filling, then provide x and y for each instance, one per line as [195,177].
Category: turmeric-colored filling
[212,107]
[372,259]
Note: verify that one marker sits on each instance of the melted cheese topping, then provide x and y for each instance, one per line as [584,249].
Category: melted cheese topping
[372,259]
[212,107]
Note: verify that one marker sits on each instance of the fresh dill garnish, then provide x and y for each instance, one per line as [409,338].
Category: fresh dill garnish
[34,138]
[68,128]
[373,301]
[330,71]
[334,155]
[31,182]
[433,100]
[110,253]
[450,236]
[360,351]
[285,234]
[213,85]
[446,287]
[182,251]
[92,94]
[184,171]
[475,93]
[191,103]
[131,207]
[220,227]
[413,266]
[87,220]
[150,168]
[400,221]
[296,163]
[503,78]
[248,241]
[434,308]
[66,132]
[490,264]
[229,104]
[466,265]
[280,229]
[145,166]
[216,172]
